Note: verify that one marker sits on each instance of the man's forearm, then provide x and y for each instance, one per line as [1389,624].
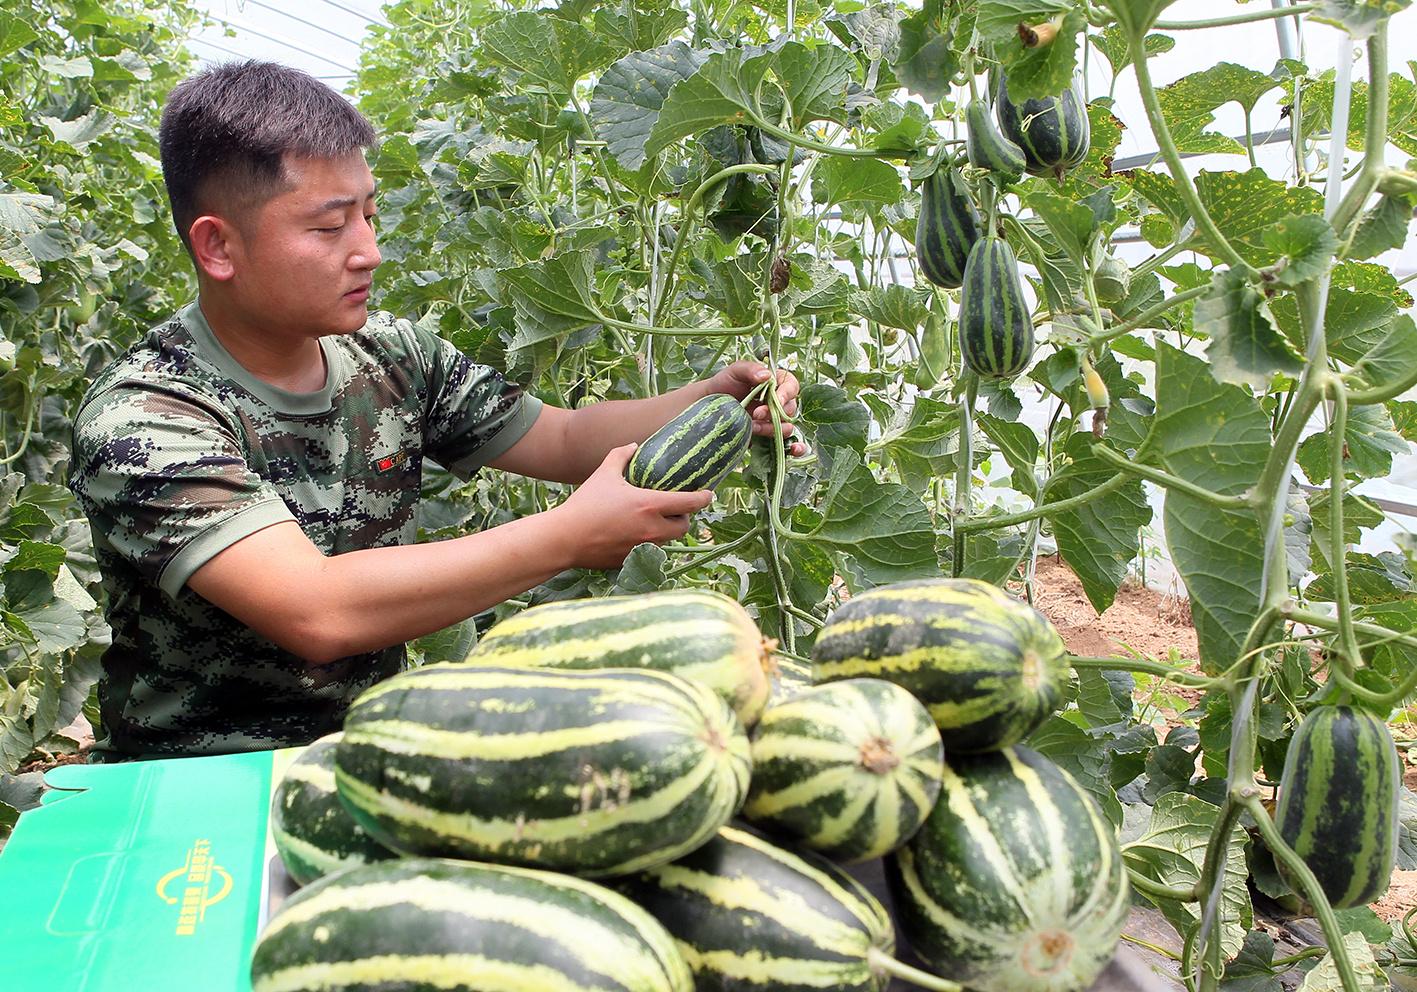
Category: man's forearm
[382,596]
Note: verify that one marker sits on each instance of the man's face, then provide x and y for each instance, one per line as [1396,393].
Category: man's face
[304,259]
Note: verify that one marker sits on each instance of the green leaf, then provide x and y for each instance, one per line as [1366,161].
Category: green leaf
[83,131]
[1244,204]
[629,96]
[1369,442]
[853,180]
[548,50]
[634,30]
[923,442]
[1136,16]
[1190,102]
[1072,224]
[931,40]
[1358,513]
[1019,446]
[1325,977]
[1101,537]
[451,644]
[1253,968]
[46,558]
[1083,756]
[895,127]
[836,419]
[1317,106]
[1172,852]
[14,33]
[1383,228]
[883,526]
[731,286]
[1246,347]
[814,78]
[1362,919]
[643,571]
[1112,43]
[56,625]
[1219,556]
[1392,359]
[1209,433]
[552,298]
[1306,243]
[1360,18]
[1045,70]
[894,306]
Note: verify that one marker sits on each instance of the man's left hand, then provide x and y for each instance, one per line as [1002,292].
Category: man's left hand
[740,378]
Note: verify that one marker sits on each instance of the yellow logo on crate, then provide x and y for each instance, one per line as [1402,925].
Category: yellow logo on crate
[197,896]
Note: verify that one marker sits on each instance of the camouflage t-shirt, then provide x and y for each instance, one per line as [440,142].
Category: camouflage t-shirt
[179,452]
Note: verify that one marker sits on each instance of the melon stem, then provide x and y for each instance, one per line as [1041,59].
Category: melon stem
[881,961]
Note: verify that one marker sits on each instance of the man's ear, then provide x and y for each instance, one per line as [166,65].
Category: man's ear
[211,239]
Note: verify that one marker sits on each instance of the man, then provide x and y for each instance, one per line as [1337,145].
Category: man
[251,468]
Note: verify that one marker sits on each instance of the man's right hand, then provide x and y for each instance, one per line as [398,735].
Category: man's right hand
[606,517]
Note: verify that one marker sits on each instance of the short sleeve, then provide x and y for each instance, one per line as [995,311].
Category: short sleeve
[164,481]
[474,414]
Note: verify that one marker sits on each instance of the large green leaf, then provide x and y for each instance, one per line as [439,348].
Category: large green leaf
[1402,109]
[1219,554]
[552,298]
[1041,70]
[883,526]
[1393,358]
[629,96]
[547,50]
[1369,442]
[1209,433]
[837,421]
[1100,538]
[1172,852]
[1325,977]
[848,180]
[1244,204]
[931,42]
[1246,347]
[1190,103]
[723,91]
[1360,18]
[893,306]
[1019,446]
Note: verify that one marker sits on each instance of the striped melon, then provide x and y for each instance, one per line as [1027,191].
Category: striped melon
[425,924]
[1053,132]
[987,148]
[995,328]
[748,915]
[989,668]
[850,769]
[695,450]
[1016,881]
[1338,803]
[946,228]
[593,772]
[787,677]
[312,830]
[694,633]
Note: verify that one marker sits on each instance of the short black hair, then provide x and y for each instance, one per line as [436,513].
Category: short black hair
[229,127]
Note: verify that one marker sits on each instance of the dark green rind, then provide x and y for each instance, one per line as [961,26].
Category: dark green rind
[786,678]
[588,807]
[748,915]
[946,229]
[987,148]
[694,633]
[989,668]
[812,778]
[695,450]
[1053,132]
[1016,881]
[1338,803]
[416,924]
[313,832]
[995,328]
